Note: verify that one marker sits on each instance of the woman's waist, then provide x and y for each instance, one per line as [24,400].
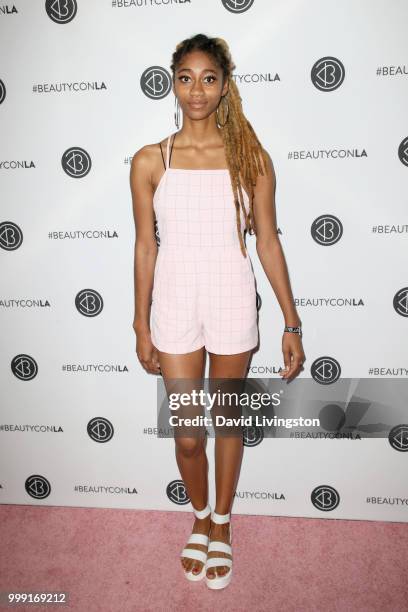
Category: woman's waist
[199,249]
[216,257]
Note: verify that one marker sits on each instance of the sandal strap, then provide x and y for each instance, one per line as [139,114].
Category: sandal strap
[220,518]
[216,546]
[218,562]
[191,553]
[201,514]
[198,538]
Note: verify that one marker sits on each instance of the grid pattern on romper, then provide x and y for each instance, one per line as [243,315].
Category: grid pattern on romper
[204,289]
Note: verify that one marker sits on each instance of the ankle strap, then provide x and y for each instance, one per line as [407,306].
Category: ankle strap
[201,514]
[220,518]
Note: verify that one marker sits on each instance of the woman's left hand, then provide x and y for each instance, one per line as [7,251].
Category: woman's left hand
[293,355]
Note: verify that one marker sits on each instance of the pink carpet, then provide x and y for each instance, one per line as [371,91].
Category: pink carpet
[128,560]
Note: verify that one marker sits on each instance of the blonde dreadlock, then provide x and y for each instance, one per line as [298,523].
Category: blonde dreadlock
[243,150]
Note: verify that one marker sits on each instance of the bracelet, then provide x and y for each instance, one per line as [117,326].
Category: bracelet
[295,330]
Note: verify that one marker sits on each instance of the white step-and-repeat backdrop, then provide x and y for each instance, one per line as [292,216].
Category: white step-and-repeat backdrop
[83,85]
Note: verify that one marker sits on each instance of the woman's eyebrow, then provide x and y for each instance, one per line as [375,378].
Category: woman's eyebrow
[190,70]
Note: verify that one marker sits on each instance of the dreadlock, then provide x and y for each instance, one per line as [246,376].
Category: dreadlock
[242,147]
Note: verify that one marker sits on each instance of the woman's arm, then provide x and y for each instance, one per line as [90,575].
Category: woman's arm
[273,261]
[268,245]
[145,255]
[145,241]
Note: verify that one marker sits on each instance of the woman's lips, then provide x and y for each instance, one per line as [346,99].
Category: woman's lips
[197,105]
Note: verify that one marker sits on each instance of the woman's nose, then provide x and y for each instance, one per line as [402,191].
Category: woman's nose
[197,87]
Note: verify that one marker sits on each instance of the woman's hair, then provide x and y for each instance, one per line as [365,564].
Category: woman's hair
[242,147]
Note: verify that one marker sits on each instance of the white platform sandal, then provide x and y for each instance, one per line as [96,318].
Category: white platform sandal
[197,538]
[219,582]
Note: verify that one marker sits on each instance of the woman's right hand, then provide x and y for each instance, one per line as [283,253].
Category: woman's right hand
[147,352]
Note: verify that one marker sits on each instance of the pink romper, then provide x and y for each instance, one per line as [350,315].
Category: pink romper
[204,289]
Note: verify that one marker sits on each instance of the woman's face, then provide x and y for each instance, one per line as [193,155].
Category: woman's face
[198,85]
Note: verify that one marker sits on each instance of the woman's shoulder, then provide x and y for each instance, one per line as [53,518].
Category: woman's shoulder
[148,154]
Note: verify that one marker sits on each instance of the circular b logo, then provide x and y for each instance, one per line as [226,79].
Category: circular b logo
[403,151]
[326,230]
[89,302]
[177,493]
[155,82]
[24,367]
[400,302]
[398,438]
[325,498]
[37,486]
[11,236]
[325,370]
[100,429]
[253,435]
[327,73]
[237,6]
[2,91]
[258,301]
[61,12]
[76,162]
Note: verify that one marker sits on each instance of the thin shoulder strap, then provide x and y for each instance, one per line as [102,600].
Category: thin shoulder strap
[167,151]
[168,157]
[161,151]
[166,163]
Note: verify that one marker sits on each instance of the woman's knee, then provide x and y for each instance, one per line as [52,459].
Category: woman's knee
[189,447]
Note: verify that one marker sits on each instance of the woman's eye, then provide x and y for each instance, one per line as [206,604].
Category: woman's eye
[184,76]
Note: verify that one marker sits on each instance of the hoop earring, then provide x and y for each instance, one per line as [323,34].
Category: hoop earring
[176,112]
[224,101]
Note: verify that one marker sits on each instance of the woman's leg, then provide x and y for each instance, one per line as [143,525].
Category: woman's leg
[228,455]
[190,451]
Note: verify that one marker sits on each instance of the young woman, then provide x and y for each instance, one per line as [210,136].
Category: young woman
[205,185]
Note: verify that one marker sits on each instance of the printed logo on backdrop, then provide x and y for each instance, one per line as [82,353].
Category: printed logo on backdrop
[100,429]
[76,162]
[37,486]
[2,91]
[155,82]
[403,152]
[89,302]
[13,164]
[92,234]
[390,71]
[252,435]
[177,492]
[25,303]
[237,6]
[398,438]
[256,77]
[325,498]
[326,230]
[24,367]
[61,12]
[327,73]
[400,302]
[258,301]
[11,236]
[7,10]
[325,370]
[156,231]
